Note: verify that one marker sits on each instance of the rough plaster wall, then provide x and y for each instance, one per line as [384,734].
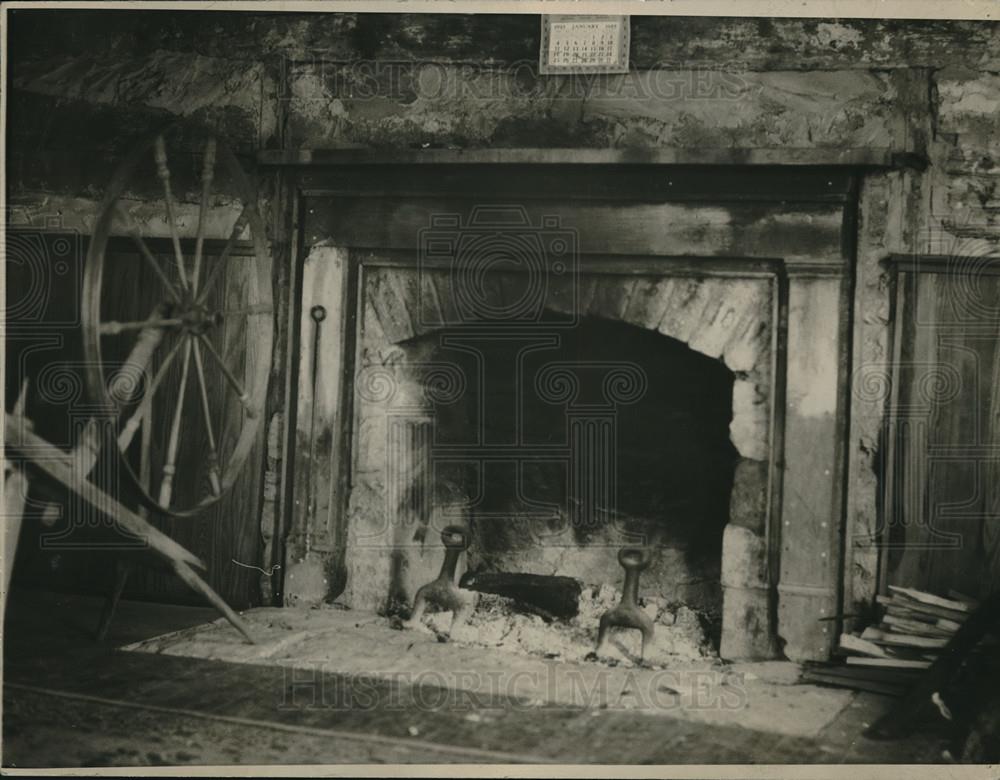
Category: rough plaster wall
[104,77]
[717,82]
[75,110]
[81,214]
[184,84]
[965,164]
[446,105]
[879,233]
[758,43]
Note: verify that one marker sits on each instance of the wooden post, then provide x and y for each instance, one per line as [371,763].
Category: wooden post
[15,495]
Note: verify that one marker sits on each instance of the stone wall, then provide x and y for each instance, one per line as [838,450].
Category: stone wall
[83,85]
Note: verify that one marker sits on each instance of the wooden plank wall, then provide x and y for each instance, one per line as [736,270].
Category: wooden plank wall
[943,510]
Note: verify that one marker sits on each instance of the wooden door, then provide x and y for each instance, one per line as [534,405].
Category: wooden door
[942,528]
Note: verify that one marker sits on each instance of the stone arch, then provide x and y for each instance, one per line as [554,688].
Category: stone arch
[725,318]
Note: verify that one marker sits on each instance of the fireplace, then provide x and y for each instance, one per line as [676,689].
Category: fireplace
[622,436]
[560,442]
[587,377]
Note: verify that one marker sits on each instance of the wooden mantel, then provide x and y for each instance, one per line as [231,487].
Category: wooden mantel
[854,157]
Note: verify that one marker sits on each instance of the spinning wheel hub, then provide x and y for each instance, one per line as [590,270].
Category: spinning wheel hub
[198,319]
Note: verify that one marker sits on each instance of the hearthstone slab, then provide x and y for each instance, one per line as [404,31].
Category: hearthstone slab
[364,646]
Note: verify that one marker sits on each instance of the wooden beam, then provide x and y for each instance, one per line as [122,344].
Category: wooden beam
[59,465]
[160,245]
[807,233]
[558,596]
[984,265]
[865,157]
[632,183]
[15,497]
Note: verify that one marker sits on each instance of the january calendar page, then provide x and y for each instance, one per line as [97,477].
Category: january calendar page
[584,44]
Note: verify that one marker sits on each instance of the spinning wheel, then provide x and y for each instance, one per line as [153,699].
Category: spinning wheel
[155,322]
[178,334]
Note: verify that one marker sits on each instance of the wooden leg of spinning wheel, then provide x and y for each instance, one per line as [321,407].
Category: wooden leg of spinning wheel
[15,498]
[197,583]
[122,569]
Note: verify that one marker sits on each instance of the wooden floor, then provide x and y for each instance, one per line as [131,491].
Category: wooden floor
[69,701]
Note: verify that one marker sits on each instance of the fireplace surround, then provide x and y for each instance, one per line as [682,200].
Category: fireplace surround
[739,275]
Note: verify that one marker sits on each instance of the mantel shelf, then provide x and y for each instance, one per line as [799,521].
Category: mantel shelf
[852,157]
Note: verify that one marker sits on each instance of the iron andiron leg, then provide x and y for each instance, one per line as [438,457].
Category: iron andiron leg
[442,593]
[628,613]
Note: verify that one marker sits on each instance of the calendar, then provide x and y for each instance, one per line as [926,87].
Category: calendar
[584,44]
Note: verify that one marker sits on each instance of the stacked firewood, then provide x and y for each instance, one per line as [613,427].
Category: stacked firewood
[885,658]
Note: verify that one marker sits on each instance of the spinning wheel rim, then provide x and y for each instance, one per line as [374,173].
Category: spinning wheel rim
[193,318]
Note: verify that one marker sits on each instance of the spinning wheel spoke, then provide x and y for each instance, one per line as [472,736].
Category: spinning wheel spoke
[241,222]
[163,172]
[241,393]
[149,257]
[113,328]
[132,425]
[213,455]
[124,383]
[170,467]
[145,440]
[207,172]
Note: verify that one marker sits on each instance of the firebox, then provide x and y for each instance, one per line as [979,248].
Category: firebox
[621,436]
[572,359]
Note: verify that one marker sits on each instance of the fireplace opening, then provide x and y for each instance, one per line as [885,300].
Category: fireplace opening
[565,445]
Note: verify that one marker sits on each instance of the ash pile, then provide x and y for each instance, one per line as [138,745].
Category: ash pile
[558,618]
